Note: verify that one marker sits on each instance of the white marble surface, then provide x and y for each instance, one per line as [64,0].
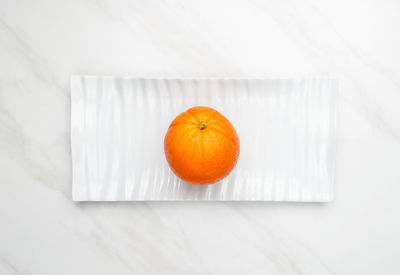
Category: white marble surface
[43,42]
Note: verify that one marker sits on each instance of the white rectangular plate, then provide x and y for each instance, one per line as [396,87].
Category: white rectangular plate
[286,129]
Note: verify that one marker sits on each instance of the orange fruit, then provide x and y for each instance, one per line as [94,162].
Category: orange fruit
[201,146]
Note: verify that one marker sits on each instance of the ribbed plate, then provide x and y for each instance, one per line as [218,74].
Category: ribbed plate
[286,129]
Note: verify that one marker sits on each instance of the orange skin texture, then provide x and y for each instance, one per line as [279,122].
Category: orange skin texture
[201,156]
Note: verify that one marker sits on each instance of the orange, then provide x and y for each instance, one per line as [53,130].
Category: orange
[201,146]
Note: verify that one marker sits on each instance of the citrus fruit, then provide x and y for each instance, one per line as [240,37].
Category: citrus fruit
[201,146]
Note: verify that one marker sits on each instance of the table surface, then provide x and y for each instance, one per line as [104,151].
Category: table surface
[43,42]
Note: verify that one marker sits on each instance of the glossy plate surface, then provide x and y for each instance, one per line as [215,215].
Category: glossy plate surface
[286,129]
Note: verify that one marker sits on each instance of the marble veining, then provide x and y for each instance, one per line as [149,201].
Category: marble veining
[43,43]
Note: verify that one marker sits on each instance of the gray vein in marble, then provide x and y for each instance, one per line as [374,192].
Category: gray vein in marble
[295,30]
[375,65]
[276,260]
[279,244]
[16,142]
[11,267]
[155,247]
[11,132]
[373,116]
[39,66]
[156,238]
[159,28]
[102,238]
[189,246]
[99,239]
[317,257]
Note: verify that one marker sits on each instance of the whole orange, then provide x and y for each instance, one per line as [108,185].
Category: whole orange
[201,146]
